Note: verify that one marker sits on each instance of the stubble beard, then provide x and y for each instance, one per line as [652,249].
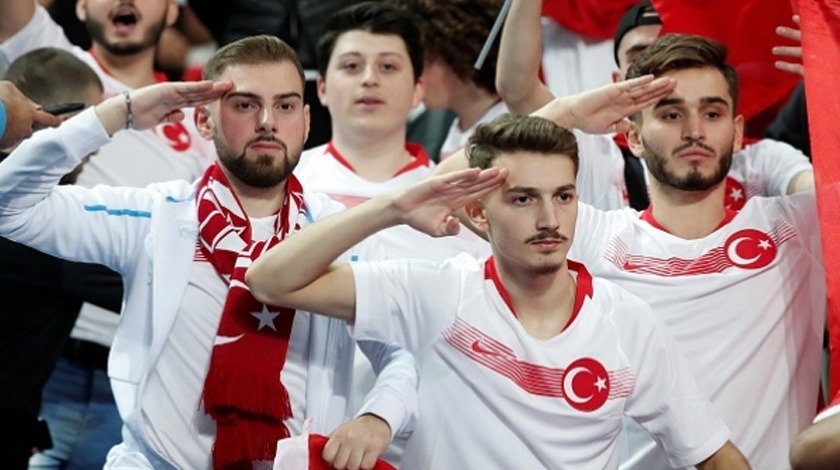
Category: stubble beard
[259,172]
[657,165]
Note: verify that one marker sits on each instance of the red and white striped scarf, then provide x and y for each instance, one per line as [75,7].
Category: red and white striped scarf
[242,390]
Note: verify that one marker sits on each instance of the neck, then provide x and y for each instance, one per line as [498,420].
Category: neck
[135,70]
[471,103]
[543,302]
[688,214]
[258,202]
[375,159]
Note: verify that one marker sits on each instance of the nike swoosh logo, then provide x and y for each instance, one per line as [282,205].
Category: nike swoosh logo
[226,339]
[477,347]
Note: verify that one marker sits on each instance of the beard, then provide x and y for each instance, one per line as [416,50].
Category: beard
[657,165]
[261,172]
[96,31]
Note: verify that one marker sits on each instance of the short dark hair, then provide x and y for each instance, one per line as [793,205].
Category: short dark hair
[49,76]
[641,14]
[511,133]
[455,31]
[375,17]
[684,51]
[252,50]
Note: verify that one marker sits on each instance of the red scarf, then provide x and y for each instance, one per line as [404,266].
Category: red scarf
[242,390]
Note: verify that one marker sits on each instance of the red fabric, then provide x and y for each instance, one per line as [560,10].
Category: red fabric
[820,25]
[316,448]
[748,29]
[242,390]
[592,18]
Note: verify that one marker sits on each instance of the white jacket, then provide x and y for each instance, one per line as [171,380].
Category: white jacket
[149,236]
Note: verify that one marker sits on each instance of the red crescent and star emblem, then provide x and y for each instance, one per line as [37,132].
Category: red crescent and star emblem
[750,249]
[176,135]
[586,384]
[735,196]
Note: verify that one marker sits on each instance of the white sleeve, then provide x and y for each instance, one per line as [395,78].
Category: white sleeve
[404,301]
[600,177]
[775,163]
[394,394]
[666,400]
[41,31]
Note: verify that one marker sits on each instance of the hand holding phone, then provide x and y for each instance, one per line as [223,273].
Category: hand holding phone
[64,108]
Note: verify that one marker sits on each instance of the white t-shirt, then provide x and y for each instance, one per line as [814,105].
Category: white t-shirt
[745,305]
[323,170]
[492,396]
[572,63]
[764,168]
[456,138]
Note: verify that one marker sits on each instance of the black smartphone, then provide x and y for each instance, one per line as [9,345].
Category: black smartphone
[64,108]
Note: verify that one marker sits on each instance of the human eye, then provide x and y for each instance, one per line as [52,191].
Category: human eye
[520,199]
[389,67]
[670,115]
[287,106]
[351,66]
[568,196]
[244,105]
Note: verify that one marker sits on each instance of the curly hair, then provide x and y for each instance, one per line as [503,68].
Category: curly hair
[455,31]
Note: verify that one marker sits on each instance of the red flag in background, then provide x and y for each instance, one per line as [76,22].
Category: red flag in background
[591,18]
[820,26]
[748,29]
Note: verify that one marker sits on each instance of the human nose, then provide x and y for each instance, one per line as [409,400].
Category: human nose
[370,76]
[547,217]
[267,123]
[693,129]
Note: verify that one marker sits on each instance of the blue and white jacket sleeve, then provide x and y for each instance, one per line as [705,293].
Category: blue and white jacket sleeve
[101,225]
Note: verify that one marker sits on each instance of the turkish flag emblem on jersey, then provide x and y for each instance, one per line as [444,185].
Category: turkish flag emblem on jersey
[750,249]
[176,135]
[586,384]
[736,195]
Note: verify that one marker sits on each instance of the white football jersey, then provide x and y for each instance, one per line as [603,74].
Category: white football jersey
[745,305]
[492,396]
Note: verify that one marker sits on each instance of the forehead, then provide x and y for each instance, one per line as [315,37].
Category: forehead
[637,38]
[536,170]
[697,84]
[369,44]
[268,79]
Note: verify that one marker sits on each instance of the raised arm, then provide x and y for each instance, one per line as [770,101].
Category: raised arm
[14,14]
[595,111]
[520,56]
[317,285]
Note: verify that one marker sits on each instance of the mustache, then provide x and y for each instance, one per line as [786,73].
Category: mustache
[694,143]
[552,235]
[269,139]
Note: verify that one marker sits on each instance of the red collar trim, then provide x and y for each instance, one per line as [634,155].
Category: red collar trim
[647,216]
[160,77]
[584,286]
[419,158]
[620,139]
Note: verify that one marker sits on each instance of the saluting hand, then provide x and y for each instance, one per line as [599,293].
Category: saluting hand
[149,106]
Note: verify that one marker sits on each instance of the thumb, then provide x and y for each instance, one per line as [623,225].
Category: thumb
[622,126]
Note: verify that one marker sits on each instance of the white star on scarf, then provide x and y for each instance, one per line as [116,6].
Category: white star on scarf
[266,318]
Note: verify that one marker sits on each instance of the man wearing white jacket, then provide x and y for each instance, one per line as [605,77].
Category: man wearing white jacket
[196,359]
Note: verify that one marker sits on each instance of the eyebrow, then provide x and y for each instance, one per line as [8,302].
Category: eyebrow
[679,101]
[254,96]
[378,54]
[531,190]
